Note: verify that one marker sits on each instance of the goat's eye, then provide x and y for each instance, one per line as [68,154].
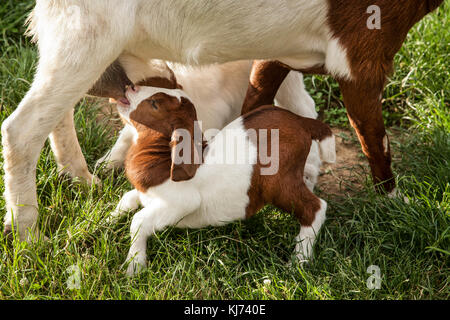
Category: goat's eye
[154,105]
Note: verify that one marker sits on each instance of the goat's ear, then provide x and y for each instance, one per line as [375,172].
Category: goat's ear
[166,78]
[184,155]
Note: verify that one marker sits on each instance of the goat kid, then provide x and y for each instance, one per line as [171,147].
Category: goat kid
[217,91]
[180,181]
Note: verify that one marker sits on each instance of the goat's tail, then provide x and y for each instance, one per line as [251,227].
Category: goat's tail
[322,132]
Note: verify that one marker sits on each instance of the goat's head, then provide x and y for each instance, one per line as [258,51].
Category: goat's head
[171,114]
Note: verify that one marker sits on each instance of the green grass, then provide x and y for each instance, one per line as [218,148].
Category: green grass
[408,242]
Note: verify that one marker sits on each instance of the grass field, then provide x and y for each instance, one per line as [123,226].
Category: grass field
[409,243]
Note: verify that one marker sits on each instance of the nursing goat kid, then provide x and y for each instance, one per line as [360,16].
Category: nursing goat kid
[182,181]
[217,91]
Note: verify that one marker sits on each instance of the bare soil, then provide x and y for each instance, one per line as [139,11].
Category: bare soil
[348,174]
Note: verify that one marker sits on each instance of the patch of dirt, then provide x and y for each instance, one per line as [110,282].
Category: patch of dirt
[348,174]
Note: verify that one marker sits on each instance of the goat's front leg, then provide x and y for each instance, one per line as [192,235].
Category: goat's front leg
[364,109]
[67,151]
[166,206]
[130,201]
[145,223]
[66,71]
[115,157]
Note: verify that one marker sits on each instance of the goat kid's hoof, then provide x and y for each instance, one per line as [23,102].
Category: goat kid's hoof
[396,194]
[134,268]
[113,218]
[108,163]
[135,264]
[8,233]
[88,180]
[30,237]
[297,262]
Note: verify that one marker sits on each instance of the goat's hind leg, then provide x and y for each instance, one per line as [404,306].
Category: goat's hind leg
[308,232]
[310,211]
[292,95]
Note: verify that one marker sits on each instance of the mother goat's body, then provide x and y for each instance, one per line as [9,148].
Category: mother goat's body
[197,32]
[79,39]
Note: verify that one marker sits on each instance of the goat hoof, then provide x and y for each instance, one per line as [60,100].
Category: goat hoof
[135,266]
[396,194]
[88,180]
[108,164]
[296,261]
[8,233]
[96,180]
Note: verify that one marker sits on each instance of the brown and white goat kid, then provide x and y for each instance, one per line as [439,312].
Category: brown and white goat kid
[217,91]
[180,181]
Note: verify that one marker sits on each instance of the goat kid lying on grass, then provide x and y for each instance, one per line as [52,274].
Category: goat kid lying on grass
[180,181]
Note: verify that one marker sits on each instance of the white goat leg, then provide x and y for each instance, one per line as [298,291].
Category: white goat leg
[307,236]
[293,96]
[51,96]
[146,222]
[130,201]
[312,166]
[164,206]
[115,157]
[67,151]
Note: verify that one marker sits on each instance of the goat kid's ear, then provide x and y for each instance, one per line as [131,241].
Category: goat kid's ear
[166,78]
[185,155]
